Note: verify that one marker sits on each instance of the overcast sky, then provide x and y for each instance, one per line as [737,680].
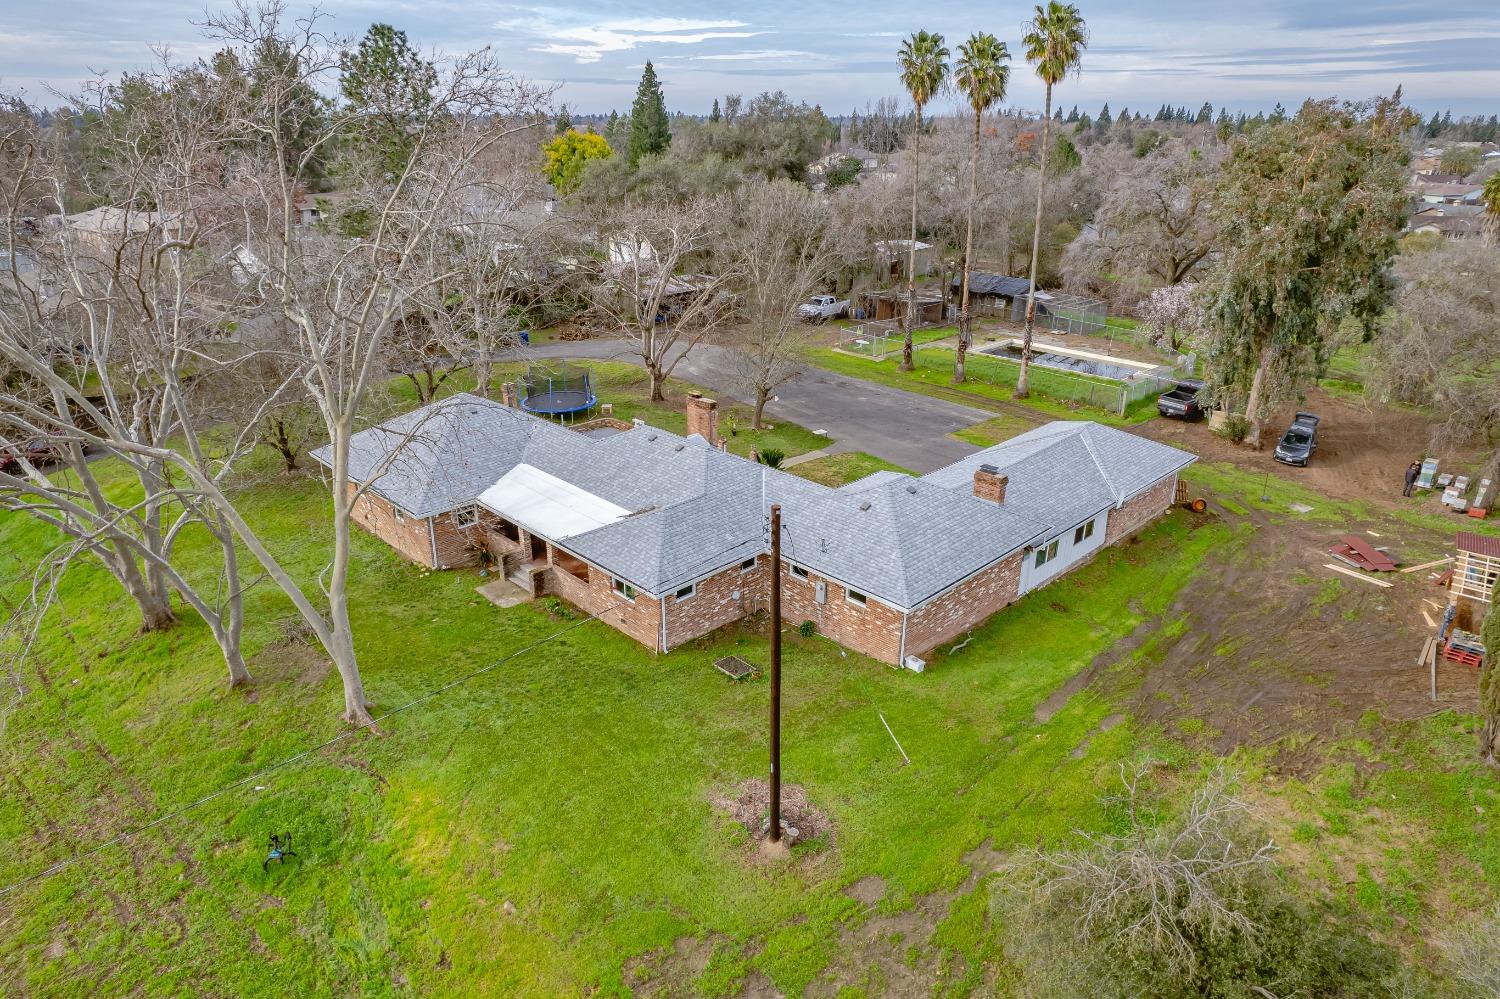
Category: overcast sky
[1245,55]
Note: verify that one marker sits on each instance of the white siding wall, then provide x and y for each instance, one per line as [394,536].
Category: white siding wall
[1068,554]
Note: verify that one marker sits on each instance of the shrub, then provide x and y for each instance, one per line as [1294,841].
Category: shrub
[772,457]
[807,629]
[1236,426]
[1187,905]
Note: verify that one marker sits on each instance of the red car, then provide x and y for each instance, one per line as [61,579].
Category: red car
[38,453]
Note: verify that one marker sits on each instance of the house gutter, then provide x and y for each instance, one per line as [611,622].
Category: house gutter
[901,649]
[432,538]
[662,603]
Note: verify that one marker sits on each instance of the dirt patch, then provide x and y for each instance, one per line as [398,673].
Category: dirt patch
[1274,647]
[294,656]
[749,803]
[1109,722]
[671,972]
[1362,452]
[867,890]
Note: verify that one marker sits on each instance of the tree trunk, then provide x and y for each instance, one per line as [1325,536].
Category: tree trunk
[340,645]
[911,250]
[658,379]
[156,610]
[1023,388]
[232,620]
[965,321]
[757,422]
[1253,404]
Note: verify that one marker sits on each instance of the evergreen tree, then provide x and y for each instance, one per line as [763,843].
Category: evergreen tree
[388,83]
[564,120]
[1161,113]
[1205,114]
[1447,120]
[649,130]
[1058,115]
[1434,126]
[1072,115]
[1104,120]
[1124,116]
[715,115]
[1278,113]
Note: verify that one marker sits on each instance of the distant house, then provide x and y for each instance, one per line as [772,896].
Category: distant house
[992,294]
[866,159]
[1452,221]
[107,227]
[663,537]
[1449,194]
[892,255]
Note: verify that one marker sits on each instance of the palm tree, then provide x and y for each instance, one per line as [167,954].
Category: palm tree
[1491,197]
[982,76]
[1054,40]
[924,70]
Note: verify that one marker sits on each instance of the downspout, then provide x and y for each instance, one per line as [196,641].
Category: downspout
[432,539]
[901,654]
[662,603]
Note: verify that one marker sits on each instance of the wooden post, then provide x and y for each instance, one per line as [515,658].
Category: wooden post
[775,673]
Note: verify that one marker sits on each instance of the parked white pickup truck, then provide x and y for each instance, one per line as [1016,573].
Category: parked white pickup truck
[822,307]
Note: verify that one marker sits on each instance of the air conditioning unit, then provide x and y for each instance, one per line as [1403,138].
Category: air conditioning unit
[822,593]
[916,665]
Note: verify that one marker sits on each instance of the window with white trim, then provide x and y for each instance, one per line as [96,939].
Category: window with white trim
[623,589]
[748,565]
[799,572]
[400,517]
[1083,532]
[687,591]
[465,517]
[856,598]
[1046,553]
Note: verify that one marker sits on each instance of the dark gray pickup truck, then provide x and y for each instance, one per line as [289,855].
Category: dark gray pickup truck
[1182,401]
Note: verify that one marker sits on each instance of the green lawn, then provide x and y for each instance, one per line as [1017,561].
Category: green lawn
[994,431]
[839,469]
[989,380]
[887,345]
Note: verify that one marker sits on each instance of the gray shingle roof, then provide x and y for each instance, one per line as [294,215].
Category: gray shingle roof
[894,537]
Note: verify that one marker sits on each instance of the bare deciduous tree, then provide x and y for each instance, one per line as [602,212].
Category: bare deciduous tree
[784,244]
[655,290]
[1152,227]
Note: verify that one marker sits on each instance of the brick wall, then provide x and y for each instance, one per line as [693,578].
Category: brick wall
[720,599]
[408,535]
[965,606]
[640,620]
[455,545]
[873,629]
[1141,510]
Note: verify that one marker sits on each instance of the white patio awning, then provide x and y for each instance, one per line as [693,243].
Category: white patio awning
[546,505]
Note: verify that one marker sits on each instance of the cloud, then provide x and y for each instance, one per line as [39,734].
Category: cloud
[589,43]
[757,55]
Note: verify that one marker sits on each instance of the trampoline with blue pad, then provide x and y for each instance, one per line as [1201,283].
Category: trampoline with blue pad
[563,391]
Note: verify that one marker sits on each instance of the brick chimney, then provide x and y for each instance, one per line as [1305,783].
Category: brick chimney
[989,484]
[703,417]
[508,394]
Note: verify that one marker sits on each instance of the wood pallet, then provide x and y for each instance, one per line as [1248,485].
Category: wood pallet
[1461,655]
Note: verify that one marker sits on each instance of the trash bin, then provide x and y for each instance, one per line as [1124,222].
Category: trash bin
[525,336]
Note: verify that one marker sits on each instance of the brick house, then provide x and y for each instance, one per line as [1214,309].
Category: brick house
[665,537]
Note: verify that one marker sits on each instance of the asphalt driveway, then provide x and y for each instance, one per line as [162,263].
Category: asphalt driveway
[902,427]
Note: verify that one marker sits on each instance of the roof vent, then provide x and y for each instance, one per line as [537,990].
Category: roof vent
[912,489]
[865,505]
[679,447]
[650,437]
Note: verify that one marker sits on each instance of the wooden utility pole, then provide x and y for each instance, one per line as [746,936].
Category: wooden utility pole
[775,673]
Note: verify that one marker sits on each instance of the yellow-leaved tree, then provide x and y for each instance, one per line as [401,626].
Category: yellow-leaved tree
[568,154]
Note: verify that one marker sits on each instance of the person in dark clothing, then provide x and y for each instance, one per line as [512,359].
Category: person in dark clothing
[1412,471]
